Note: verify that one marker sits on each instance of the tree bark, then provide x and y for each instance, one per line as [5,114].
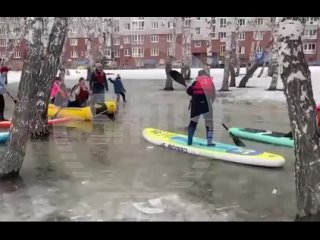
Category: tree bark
[262,69]
[237,48]
[227,54]
[296,78]
[232,76]
[233,59]
[209,59]
[172,50]
[275,76]
[12,161]
[186,51]
[49,69]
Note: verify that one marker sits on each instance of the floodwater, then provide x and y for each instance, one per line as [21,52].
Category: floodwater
[106,171]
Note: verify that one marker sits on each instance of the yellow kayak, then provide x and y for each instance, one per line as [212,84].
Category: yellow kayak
[108,108]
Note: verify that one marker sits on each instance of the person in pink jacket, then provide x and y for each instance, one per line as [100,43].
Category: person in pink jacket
[55,88]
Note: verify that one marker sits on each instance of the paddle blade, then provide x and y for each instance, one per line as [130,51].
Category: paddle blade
[235,139]
[177,77]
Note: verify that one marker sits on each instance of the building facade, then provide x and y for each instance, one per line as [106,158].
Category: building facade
[135,42]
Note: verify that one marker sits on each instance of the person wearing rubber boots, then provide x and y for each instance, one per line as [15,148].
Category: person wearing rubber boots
[203,95]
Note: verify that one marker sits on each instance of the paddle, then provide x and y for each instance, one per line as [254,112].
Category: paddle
[177,77]
[235,139]
[288,135]
[13,99]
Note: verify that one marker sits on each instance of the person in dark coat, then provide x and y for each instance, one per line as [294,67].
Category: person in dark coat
[118,88]
[98,84]
[203,95]
[3,90]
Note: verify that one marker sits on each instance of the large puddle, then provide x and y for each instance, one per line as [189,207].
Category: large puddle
[107,171]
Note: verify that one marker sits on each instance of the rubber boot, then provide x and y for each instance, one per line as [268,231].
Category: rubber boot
[191,130]
[210,137]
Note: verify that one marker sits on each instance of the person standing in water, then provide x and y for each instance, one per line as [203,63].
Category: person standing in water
[119,88]
[203,95]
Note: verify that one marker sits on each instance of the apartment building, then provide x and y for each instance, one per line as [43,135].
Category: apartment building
[136,42]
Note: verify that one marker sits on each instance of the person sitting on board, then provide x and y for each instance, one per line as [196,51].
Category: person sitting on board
[55,88]
[203,94]
[61,98]
[79,94]
[3,90]
[118,88]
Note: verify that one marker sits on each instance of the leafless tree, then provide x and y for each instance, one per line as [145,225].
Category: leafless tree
[12,161]
[171,57]
[296,78]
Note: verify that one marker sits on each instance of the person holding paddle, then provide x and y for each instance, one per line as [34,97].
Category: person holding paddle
[203,94]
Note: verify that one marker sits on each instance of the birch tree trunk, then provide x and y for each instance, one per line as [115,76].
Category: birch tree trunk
[172,51]
[296,78]
[275,55]
[49,69]
[186,50]
[207,66]
[233,60]
[237,47]
[12,161]
[227,54]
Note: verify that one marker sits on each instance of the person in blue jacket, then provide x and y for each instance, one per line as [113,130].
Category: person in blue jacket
[119,88]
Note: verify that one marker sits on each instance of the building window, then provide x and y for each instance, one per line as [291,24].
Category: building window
[197,30]
[117,54]
[187,22]
[242,22]
[16,54]
[72,30]
[73,42]
[127,26]
[154,52]
[137,18]
[309,48]
[241,49]
[108,53]
[117,41]
[126,39]
[127,52]
[2,31]
[168,52]
[137,39]
[242,36]
[313,21]
[197,44]
[222,49]
[198,18]
[213,20]
[223,22]
[154,38]
[2,54]
[137,24]
[16,43]
[74,54]
[259,21]
[154,25]
[86,41]
[3,43]
[15,19]
[312,33]
[116,29]
[258,36]
[137,52]
[169,38]
[222,35]
[259,50]
[171,25]
[2,19]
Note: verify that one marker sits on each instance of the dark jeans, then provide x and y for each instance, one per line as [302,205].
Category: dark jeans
[2,105]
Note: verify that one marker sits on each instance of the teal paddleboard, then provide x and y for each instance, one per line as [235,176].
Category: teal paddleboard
[262,136]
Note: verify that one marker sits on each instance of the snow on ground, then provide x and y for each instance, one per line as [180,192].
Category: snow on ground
[256,91]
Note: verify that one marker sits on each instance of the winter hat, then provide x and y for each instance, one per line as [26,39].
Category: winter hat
[202,73]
